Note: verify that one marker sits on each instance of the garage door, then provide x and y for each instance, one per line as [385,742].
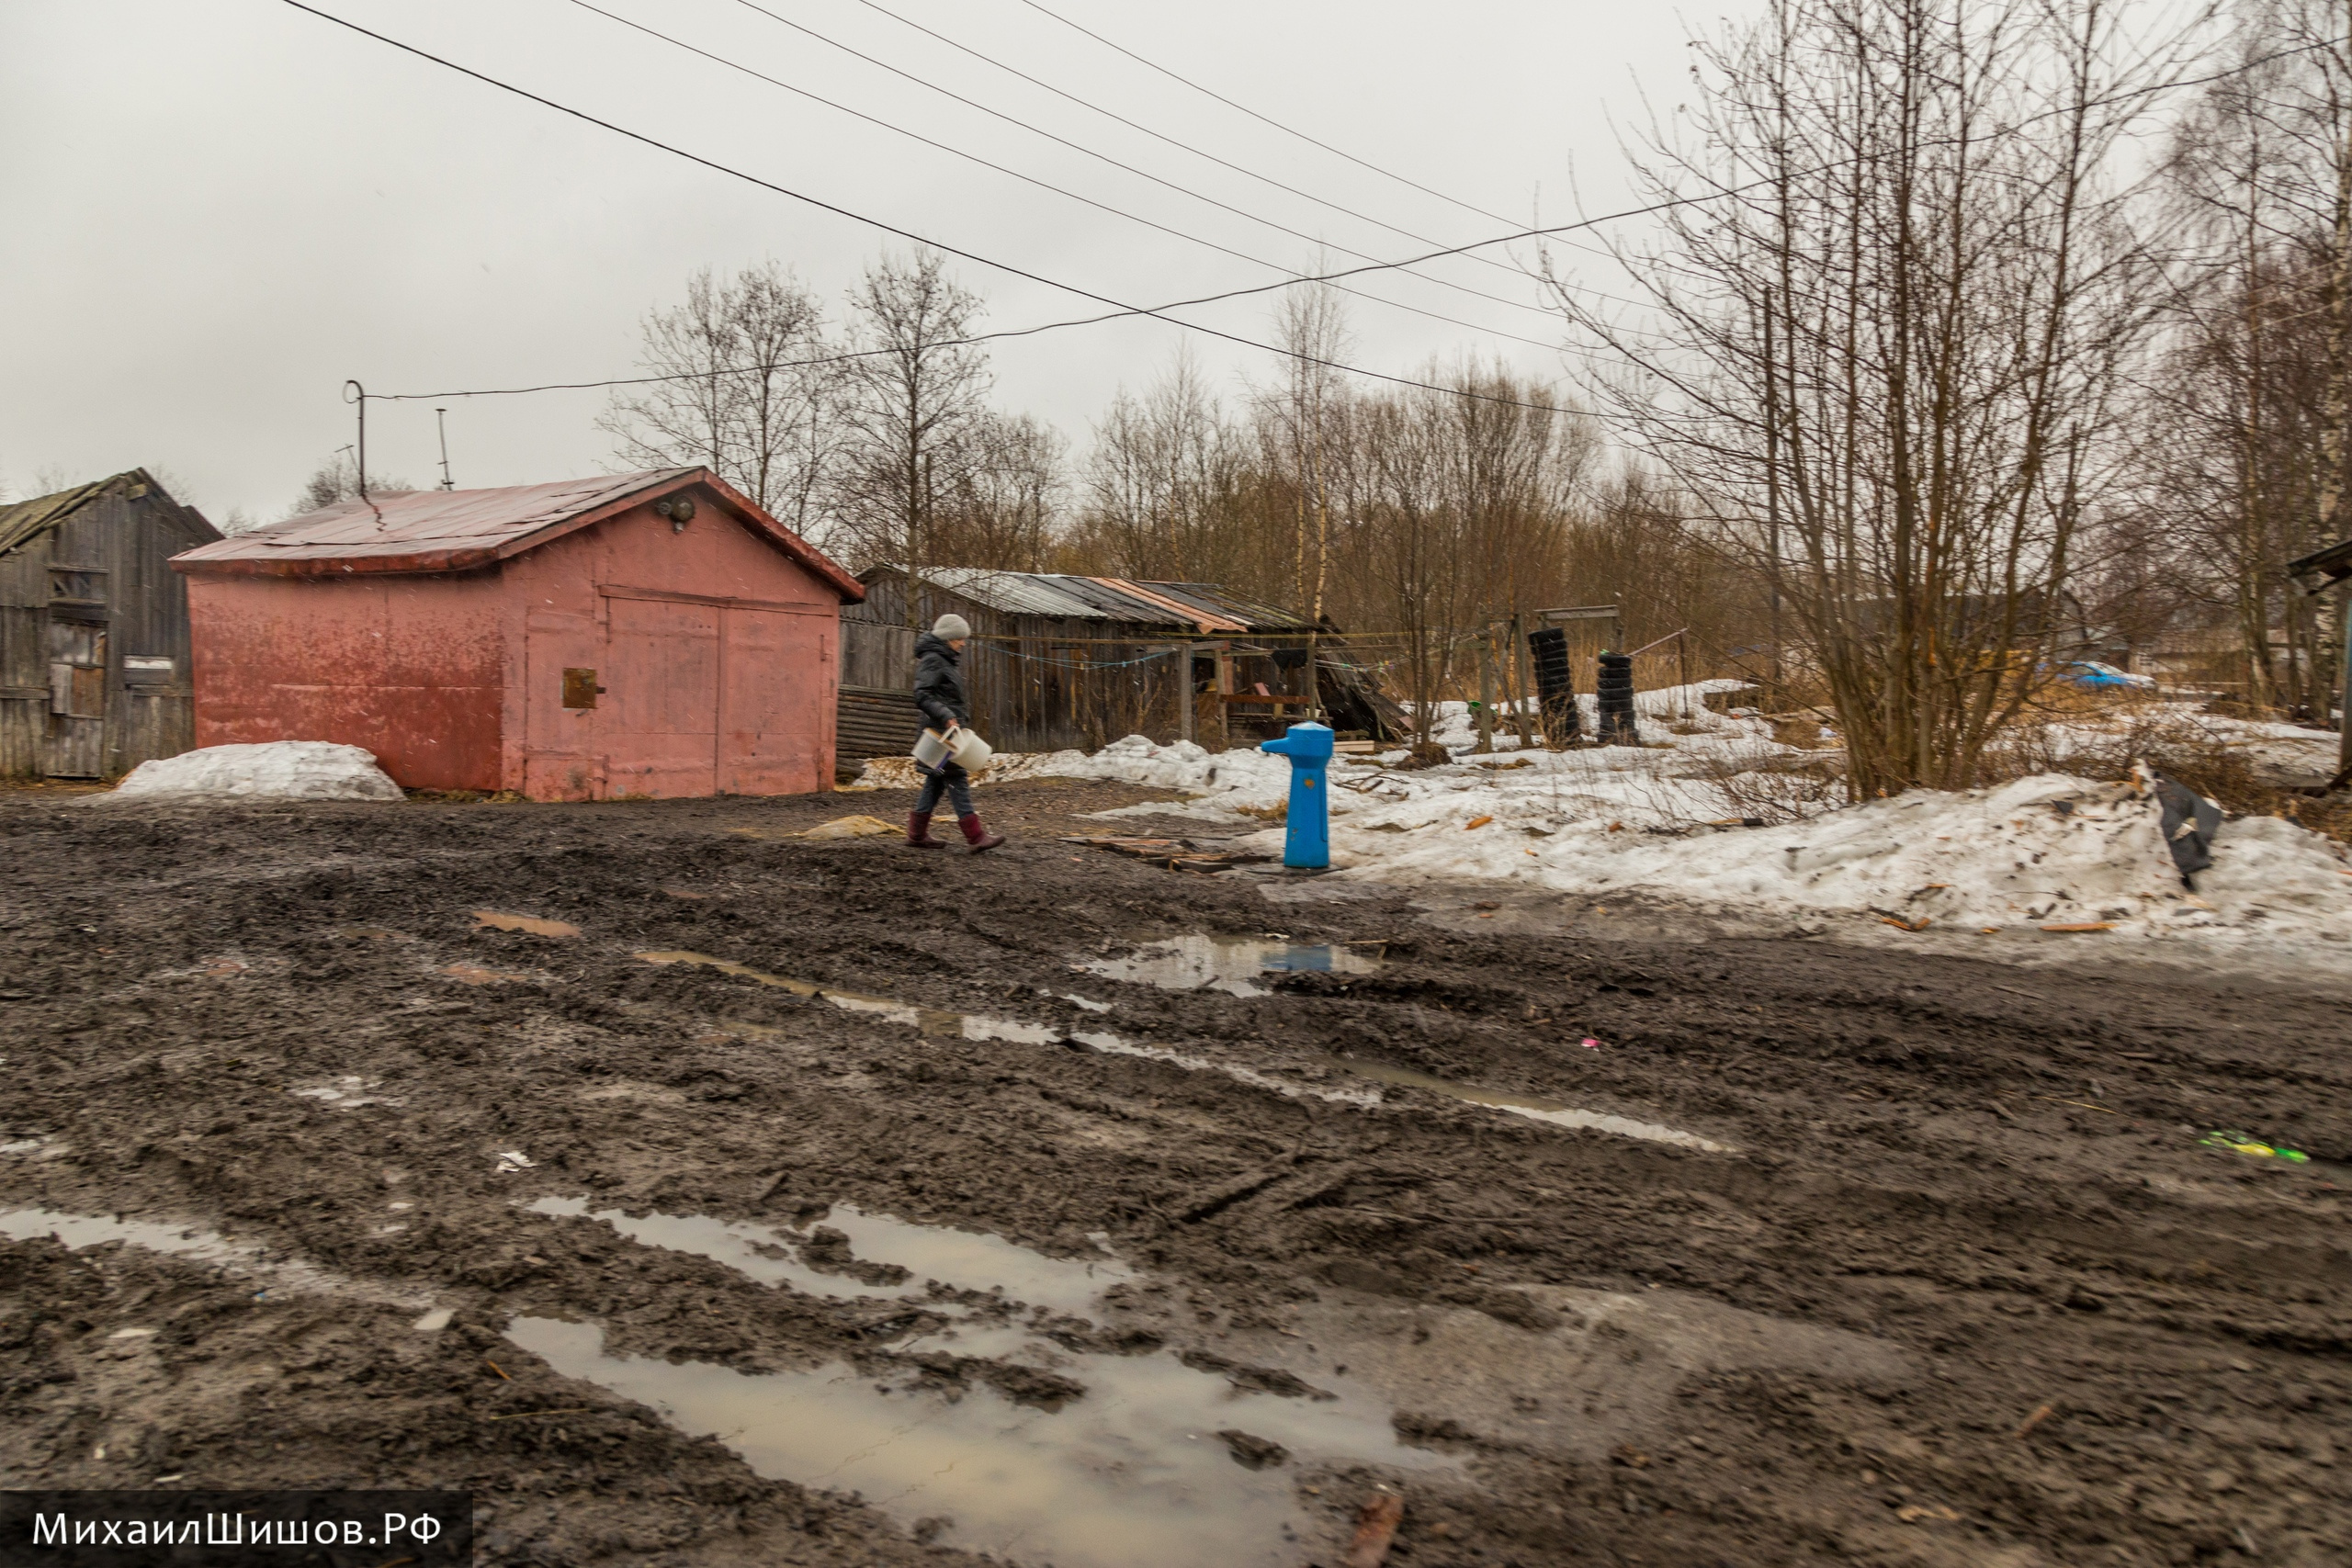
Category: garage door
[777,726]
[659,705]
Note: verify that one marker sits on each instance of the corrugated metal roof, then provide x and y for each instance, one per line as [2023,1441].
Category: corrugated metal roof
[1053,595]
[1198,607]
[1018,593]
[1199,619]
[1217,601]
[25,518]
[457,530]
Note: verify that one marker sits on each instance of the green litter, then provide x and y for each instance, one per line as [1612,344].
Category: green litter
[2240,1143]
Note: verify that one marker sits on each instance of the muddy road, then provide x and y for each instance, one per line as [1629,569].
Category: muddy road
[697,1195]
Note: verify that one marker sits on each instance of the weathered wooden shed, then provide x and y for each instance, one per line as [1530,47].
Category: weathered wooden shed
[633,635]
[1059,660]
[93,632]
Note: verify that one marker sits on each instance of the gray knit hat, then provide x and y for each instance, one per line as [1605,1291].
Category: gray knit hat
[949,627]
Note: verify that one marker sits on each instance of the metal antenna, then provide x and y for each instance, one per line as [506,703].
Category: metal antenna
[441,421]
[349,387]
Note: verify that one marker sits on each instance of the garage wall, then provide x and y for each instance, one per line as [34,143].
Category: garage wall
[716,656]
[412,668]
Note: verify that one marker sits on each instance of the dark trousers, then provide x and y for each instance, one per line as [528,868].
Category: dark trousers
[951,781]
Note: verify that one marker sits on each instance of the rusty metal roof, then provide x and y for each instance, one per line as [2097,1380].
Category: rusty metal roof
[1209,599]
[459,530]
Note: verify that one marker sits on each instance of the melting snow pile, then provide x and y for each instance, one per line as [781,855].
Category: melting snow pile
[276,770]
[2051,849]
[1664,818]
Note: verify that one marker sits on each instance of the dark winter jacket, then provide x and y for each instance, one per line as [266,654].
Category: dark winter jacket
[939,684]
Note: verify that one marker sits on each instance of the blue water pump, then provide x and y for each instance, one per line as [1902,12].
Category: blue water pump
[1307,837]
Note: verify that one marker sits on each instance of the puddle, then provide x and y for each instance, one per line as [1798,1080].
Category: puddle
[1552,1110]
[1132,1474]
[1201,963]
[79,1232]
[929,1020]
[973,1026]
[498,921]
[1111,1046]
[475,975]
[772,1254]
[1089,1003]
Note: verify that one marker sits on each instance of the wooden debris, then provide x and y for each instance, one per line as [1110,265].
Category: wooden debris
[2041,1413]
[2081,926]
[1475,822]
[1377,1524]
[1175,854]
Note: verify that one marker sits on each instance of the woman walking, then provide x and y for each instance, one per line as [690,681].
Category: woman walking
[939,693]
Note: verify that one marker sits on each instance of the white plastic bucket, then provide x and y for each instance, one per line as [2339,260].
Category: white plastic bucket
[929,749]
[971,753]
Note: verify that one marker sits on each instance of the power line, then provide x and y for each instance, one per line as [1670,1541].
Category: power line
[1118,308]
[1238,168]
[1253,113]
[1058,190]
[1161,136]
[1128,168]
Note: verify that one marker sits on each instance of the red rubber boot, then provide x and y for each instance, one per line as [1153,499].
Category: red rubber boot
[979,837]
[919,831]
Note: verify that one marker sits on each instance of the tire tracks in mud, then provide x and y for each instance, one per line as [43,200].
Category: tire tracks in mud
[2178,1307]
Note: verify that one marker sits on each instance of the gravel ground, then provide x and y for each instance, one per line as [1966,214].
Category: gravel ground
[1939,1271]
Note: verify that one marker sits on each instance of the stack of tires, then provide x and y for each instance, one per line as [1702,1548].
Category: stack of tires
[1556,689]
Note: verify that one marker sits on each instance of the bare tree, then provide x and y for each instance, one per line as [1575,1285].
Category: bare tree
[2251,467]
[1301,424]
[748,392]
[1006,502]
[1161,484]
[1893,350]
[337,480]
[915,398]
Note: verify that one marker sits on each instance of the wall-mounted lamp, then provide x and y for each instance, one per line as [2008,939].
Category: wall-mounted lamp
[677,509]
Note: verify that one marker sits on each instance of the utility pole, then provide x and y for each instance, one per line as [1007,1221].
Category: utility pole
[1522,679]
[441,424]
[1487,687]
[357,395]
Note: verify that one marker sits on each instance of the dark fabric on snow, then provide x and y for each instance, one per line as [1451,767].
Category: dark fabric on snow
[2189,823]
[951,781]
[939,684]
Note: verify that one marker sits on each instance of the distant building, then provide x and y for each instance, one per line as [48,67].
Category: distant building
[93,631]
[637,635]
[1060,661]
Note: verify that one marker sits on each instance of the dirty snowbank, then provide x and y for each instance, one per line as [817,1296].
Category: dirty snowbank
[1663,819]
[2042,850]
[275,770]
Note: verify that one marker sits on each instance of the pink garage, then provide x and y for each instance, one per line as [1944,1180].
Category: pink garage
[637,635]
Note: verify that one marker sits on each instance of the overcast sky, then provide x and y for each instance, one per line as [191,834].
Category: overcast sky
[217,211]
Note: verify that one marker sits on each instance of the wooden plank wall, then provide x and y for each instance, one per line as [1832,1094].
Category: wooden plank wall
[1036,682]
[126,543]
